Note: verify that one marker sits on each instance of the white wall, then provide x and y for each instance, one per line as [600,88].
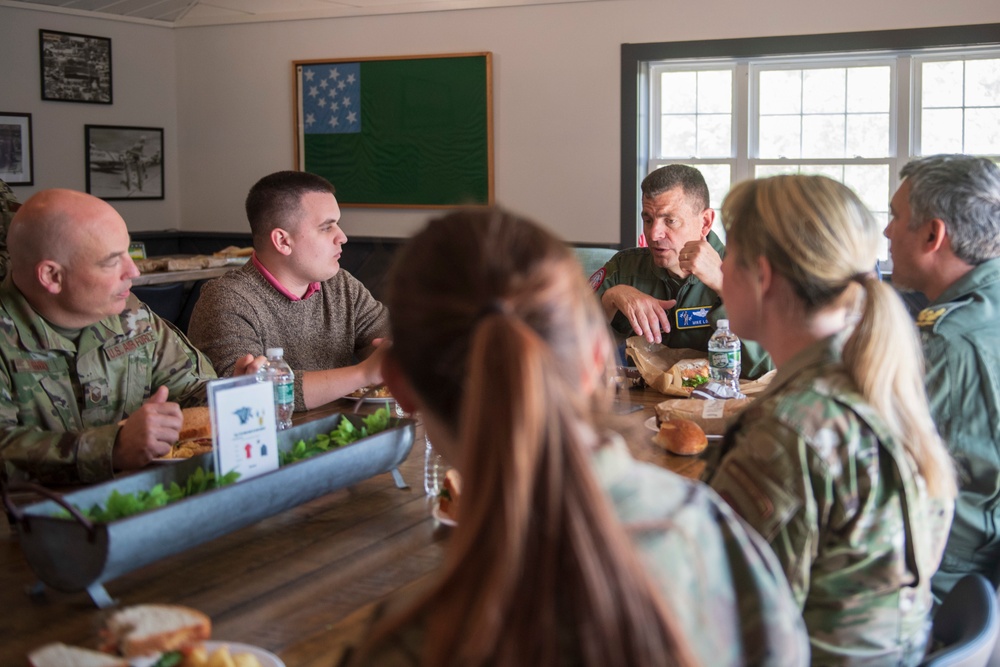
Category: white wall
[556,92]
[556,95]
[143,64]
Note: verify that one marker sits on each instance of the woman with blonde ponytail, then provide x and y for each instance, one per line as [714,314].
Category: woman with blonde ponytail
[567,551]
[838,465]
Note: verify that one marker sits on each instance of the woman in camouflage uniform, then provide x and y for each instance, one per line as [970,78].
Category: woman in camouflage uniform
[838,465]
[567,551]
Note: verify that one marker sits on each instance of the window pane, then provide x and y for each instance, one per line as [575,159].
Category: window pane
[868,89]
[715,92]
[779,137]
[834,171]
[781,91]
[767,170]
[678,92]
[941,131]
[677,136]
[982,131]
[718,178]
[941,84]
[715,135]
[823,136]
[982,82]
[823,91]
[868,135]
[871,183]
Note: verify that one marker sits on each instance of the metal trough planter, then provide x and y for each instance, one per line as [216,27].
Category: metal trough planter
[74,554]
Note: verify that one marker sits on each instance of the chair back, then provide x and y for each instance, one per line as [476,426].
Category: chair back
[593,258]
[966,625]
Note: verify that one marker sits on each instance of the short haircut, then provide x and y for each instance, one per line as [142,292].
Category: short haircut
[674,175]
[964,192]
[273,201]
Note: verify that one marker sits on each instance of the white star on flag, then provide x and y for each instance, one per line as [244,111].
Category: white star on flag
[313,91]
[341,85]
[335,73]
[310,119]
[346,101]
[309,74]
[321,103]
[351,117]
[323,84]
[334,121]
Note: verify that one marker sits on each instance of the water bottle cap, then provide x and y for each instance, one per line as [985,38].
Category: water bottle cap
[273,352]
[723,324]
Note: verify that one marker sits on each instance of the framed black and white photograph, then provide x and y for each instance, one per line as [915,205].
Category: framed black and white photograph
[16,164]
[124,162]
[75,68]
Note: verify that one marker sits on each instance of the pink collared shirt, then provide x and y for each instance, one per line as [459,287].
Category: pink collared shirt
[269,277]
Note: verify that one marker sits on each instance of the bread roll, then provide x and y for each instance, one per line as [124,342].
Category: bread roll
[61,655]
[149,629]
[682,437]
[197,424]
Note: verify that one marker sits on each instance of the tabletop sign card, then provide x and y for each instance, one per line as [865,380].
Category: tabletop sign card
[244,433]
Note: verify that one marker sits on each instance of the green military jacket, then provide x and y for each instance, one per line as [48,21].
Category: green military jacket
[692,320]
[811,466]
[722,581]
[7,204]
[61,399]
[960,333]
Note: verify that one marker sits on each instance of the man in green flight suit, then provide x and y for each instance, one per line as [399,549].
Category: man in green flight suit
[79,352]
[669,292]
[944,238]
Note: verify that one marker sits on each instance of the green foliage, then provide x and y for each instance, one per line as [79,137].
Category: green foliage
[121,505]
[344,434]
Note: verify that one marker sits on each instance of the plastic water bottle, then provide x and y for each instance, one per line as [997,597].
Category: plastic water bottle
[278,372]
[724,356]
[432,469]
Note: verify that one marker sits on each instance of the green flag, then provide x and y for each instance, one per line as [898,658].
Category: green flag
[408,132]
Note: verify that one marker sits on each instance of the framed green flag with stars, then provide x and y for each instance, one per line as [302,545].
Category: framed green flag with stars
[405,131]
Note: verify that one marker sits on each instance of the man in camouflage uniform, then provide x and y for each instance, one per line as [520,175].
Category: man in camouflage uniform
[672,287]
[811,467]
[944,238]
[8,206]
[79,353]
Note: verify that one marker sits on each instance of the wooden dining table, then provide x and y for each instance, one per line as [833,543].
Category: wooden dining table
[300,584]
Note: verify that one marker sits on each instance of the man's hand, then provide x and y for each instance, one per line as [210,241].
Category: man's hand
[248,365]
[371,367]
[701,259]
[647,316]
[148,433]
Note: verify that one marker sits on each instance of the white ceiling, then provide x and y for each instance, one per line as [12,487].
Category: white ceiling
[185,13]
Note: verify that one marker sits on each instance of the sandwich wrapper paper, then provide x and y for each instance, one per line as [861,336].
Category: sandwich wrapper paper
[654,361]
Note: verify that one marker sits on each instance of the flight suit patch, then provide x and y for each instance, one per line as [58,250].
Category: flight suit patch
[692,318]
[597,279]
[130,345]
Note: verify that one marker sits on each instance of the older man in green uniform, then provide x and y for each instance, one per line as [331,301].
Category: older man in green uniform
[79,353]
[669,292]
[944,237]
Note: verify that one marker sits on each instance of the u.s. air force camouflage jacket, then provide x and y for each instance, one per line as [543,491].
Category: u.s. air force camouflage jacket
[960,333]
[812,468]
[61,399]
[692,319]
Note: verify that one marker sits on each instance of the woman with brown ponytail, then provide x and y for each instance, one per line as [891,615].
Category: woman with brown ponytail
[838,465]
[567,552]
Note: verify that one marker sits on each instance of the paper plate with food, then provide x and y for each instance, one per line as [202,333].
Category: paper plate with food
[380,394]
[445,508]
[156,635]
[195,436]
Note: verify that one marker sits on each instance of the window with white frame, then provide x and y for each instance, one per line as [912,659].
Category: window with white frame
[857,118]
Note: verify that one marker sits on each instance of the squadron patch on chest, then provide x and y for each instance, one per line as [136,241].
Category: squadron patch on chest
[597,278]
[692,318]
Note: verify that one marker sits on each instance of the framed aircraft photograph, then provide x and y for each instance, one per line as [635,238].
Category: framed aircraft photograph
[75,68]
[124,162]
[16,164]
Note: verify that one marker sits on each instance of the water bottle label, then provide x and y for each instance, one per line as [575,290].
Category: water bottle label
[284,393]
[692,318]
[724,359]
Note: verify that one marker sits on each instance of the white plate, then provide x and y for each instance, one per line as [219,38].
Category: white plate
[441,517]
[651,425]
[266,658]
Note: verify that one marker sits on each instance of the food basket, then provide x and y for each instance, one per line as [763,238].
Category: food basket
[74,554]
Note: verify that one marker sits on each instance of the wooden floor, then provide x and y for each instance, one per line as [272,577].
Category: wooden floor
[299,584]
